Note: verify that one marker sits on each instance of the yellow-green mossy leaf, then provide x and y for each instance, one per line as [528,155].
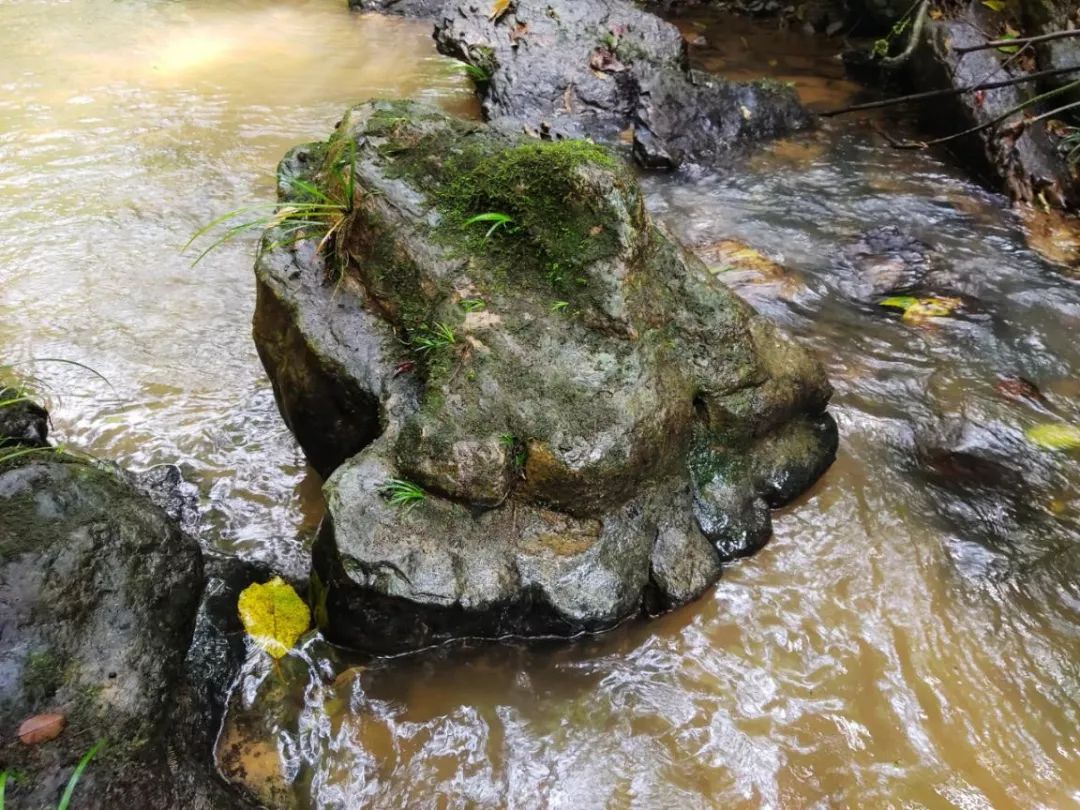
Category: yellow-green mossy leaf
[1054,436]
[274,615]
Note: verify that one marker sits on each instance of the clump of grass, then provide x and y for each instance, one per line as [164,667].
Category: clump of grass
[401,493]
[311,209]
[516,447]
[472,304]
[433,338]
[560,306]
[1071,146]
[479,74]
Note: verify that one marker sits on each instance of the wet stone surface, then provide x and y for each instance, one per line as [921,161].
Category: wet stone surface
[563,392]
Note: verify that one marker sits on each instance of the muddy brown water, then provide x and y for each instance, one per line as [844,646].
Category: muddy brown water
[910,637]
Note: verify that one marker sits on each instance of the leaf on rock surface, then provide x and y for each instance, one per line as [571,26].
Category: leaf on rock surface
[1054,436]
[498,8]
[274,615]
[41,728]
[994,5]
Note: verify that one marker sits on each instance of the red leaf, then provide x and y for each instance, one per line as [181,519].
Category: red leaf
[41,728]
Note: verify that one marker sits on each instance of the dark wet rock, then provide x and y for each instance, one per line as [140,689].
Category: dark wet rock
[99,589]
[551,433]
[1023,158]
[1048,16]
[884,261]
[611,71]
[888,261]
[997,494]
[165,486]
[23,423]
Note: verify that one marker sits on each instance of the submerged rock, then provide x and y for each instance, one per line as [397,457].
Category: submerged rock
[609,70]
[532,427]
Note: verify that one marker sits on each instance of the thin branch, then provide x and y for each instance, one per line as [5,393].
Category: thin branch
[1065,88]
[1005,43]
[1072,105]
[950,91]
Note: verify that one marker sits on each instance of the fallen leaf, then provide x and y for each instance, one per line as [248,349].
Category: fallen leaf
[746,114]
[994,5]
[1054,436]
[919,309]
[936,14]
[518,32]
[1018,388]
[41,728]
[498,9]
[605,60]
[273,615]
[899,301]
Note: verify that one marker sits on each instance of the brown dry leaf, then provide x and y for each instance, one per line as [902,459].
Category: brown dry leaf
[498,9]
[936,14]
[41,728]
[604,59]
[1053,235]
[518,32]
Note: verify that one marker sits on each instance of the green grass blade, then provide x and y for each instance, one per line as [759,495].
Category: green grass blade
[3,787]
[65,800]
[75,363]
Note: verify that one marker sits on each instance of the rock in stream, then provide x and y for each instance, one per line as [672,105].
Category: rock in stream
[99,593]
[592,421]
[604,69]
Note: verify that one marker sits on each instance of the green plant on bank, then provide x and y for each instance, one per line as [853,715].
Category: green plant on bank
[516,448]
[884,45]
[69,791]
[310,210]
[472,304]
[1071,146]
[497,220]
[560,306]
[479,74]
[401,493]
[433,338]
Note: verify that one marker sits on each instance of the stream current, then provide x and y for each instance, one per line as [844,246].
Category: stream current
[909,638]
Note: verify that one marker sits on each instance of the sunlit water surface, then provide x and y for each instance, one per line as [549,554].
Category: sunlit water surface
[910,637]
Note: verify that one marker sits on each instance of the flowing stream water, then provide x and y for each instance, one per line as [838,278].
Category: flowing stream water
[909,638]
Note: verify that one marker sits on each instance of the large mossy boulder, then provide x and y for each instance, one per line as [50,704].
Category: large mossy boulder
[540,421]
[99,593]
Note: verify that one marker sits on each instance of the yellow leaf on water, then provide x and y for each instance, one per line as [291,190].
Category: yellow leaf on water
[498,8]
[273,615]
[918,309]
[1054,436]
